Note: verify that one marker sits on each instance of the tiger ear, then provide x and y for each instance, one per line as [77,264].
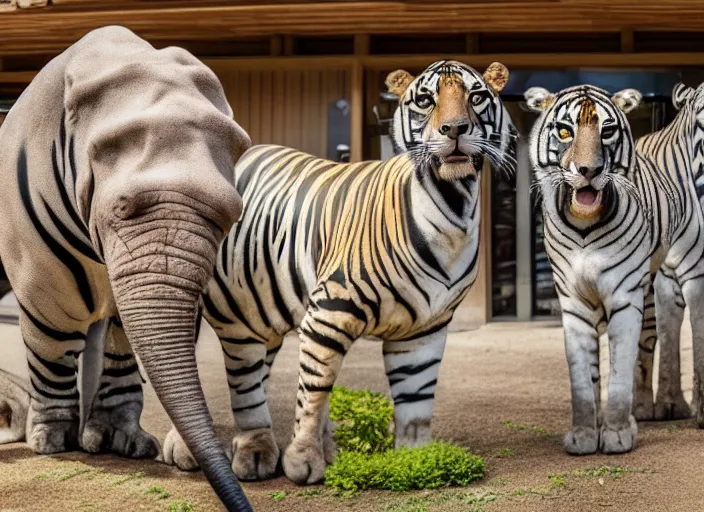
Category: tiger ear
[680,94]
[627,99]
[496,76]
[538,99]
[398,81]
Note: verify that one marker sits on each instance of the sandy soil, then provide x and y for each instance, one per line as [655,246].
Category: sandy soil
[507,372]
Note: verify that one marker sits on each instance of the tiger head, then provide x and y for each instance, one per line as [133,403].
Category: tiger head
[581,147]
[451,117]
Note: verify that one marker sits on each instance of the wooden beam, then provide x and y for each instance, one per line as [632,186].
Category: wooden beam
[52,29]
[356,112]
[387,62]
[627,41]
[361,44]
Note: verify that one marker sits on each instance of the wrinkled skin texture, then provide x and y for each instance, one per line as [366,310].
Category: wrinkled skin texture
[116,171]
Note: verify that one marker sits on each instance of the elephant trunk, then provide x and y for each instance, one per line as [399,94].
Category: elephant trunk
[158,268]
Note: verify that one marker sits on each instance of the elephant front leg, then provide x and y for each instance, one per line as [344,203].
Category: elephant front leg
[670,403]
[619,429]
[412,369]
[113,424]
[53,415]
[582,349]
[325,339]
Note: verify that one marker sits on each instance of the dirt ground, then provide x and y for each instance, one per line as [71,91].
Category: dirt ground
[503,391]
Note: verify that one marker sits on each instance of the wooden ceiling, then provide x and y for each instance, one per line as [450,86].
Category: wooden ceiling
[50,29]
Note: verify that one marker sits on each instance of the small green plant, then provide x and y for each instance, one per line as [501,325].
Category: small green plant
[160,493]
[557,481]
[672,428]
[182,506]
[476,502]
[438,464]
[122,480]
[538,430]
[74,472]
[363,419]
[277,495]
[505,452]
[310,493]
[615,471]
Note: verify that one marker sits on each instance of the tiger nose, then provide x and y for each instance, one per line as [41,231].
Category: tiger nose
[590,172]
[454,130]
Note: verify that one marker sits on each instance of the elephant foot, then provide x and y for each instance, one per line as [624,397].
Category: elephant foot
[619,440]
[304,461]
[672,409]
[413,434]
[176,453]
[581,441]
[255,455]
[117,430]
[643,407]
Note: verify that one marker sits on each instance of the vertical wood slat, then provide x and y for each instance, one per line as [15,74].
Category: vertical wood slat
[287,107]
[356,112]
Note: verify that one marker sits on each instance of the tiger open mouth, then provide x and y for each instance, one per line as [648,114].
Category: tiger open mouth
[586,202]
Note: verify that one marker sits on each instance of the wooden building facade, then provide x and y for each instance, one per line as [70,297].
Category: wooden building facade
[309,74]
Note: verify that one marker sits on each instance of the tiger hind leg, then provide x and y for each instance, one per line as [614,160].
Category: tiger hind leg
[412,369]
[113,424]
[669,403]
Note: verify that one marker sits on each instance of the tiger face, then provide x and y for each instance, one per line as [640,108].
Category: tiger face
[451,117]
[581,146]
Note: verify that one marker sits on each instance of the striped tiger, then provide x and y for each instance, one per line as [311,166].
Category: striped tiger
[613,215]
[384,249]
[680,147]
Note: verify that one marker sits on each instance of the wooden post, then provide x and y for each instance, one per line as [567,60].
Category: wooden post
[485,241]
[627,41]
[361,44]
[289,46]
[356,112]
[472,43]
[276,46]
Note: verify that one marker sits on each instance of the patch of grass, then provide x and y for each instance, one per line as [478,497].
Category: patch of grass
[277,495]
[615,471]
[534,428]
[160,493]
[557,481]
[41,475]
[438,464]
[499,481]
[505,452]
[182,506]
[474,502]
[122,480]
[74,472]
[672,428]
[363,419]
[522,492]
[310,493]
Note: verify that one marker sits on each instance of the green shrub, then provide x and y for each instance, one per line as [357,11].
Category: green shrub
[438,464]
[363,418]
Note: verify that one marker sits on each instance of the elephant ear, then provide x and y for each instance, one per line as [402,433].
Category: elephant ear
[680,94]
[627,100]
[538,99]
[398,81]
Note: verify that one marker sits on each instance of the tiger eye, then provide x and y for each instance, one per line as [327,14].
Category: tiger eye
[564,134]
